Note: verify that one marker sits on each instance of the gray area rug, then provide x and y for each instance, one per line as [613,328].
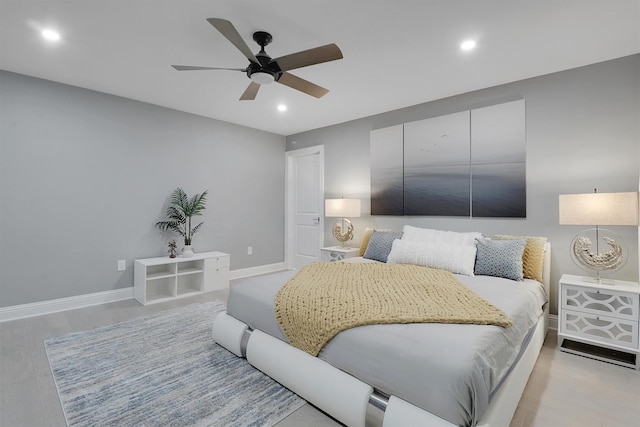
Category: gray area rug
[162,370]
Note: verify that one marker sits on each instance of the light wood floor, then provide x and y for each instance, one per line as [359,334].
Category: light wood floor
[564,390]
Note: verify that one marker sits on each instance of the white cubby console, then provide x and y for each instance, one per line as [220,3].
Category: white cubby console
[163,278]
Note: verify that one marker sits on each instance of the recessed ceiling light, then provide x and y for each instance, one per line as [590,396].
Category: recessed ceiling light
[468,45]
[282,107]
[50,35]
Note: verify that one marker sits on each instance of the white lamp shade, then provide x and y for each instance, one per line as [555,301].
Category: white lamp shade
[599,209]
[342,208]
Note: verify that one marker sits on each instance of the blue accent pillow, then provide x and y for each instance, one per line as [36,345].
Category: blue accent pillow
[380,244]
[500,258]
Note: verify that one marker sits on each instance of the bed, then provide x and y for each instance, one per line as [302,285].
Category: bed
[422,374]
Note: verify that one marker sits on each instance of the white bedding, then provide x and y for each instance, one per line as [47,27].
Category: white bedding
[448,370]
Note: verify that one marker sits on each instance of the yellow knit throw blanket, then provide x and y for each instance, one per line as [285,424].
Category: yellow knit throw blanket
[326,298]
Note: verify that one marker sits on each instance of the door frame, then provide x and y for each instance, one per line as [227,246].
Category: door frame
[290,199]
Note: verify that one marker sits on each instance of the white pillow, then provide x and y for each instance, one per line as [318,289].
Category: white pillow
[454,258]
[417,234]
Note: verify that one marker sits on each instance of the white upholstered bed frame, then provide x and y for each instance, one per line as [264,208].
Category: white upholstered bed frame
[351,401]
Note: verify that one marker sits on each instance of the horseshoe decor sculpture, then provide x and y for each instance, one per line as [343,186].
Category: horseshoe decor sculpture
[600,262]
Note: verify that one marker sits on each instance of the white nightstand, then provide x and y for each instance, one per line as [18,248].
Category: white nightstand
[338,253]
[599,320]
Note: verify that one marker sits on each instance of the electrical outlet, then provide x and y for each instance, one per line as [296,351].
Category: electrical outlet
[249,250]
[122,265]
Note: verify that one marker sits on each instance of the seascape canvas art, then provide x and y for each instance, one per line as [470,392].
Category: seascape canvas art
[467,164]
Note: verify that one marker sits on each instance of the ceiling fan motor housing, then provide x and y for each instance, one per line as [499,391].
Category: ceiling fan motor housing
[263,74]
[267,71]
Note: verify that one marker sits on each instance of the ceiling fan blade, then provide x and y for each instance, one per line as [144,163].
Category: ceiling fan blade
[227,29]
[302,85]
[250,92]
[317,55]
[192,68]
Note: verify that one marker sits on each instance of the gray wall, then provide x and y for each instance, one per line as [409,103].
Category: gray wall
[583,132]
[84,176]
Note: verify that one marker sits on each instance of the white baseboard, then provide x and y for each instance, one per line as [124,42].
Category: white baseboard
[62,304]
[553,321]
[254,271]
[21,311]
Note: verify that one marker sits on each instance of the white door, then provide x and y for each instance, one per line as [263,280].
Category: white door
[304,214]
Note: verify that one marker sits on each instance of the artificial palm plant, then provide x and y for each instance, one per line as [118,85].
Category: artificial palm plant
[180,212]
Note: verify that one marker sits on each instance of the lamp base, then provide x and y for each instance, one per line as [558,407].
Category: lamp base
[342,231]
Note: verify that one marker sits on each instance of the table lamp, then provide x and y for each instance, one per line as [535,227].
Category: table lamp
[598,209]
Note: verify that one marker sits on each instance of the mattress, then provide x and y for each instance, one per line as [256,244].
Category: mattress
[449,370]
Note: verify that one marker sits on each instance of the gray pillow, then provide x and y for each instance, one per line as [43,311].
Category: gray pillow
[380,244]
[500,258]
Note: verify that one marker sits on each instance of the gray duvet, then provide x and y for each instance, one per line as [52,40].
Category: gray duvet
[449,370]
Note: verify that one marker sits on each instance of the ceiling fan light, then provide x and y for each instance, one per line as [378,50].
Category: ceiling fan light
[262,78]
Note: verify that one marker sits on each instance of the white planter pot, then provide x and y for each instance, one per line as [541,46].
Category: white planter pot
[187,251]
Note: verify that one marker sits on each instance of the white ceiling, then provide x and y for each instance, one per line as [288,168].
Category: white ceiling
[396,53]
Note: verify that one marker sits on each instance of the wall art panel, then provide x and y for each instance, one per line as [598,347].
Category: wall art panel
[387,166]
[436,166]
[498,159]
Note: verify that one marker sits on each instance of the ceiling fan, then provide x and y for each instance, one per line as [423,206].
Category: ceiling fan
[262,69]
